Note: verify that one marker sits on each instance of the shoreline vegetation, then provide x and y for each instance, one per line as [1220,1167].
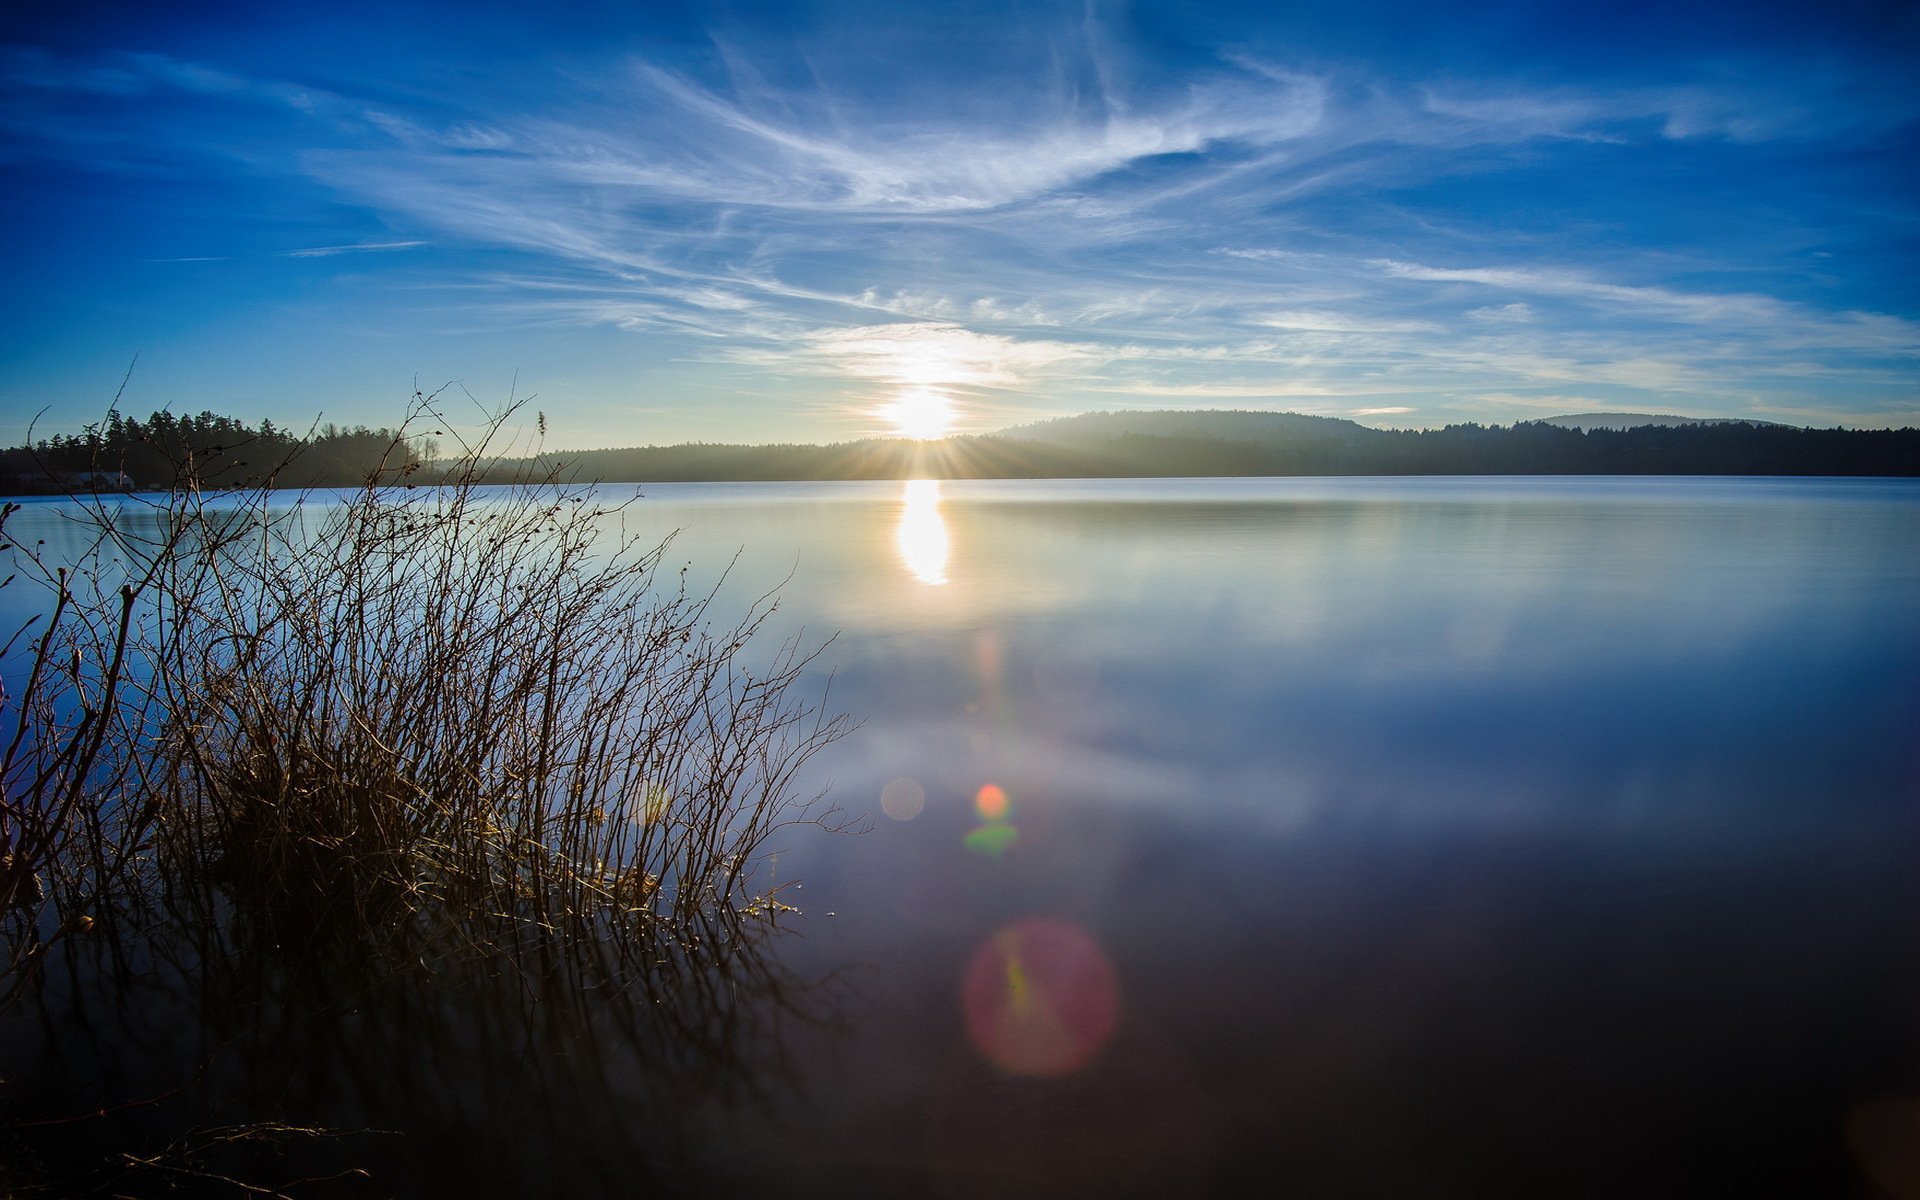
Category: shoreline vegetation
[121,454]
[410,732]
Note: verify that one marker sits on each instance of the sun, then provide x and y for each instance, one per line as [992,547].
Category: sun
[920,413]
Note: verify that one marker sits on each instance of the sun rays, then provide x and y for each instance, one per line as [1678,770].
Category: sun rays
[921,413]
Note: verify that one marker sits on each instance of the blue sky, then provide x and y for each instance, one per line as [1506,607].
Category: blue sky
[771,222]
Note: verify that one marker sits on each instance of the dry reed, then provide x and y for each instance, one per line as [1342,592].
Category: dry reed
[422,719]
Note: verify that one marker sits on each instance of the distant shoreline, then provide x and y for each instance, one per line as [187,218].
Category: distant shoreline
[1137,445]
[1069,451]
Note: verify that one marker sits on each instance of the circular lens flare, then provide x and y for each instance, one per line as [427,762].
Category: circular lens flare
[649,801]
[902,799]
[1040,998]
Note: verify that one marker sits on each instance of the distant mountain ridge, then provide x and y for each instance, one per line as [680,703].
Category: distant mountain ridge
[1588,422]
[1243,425]
[1234,425]
[1164,443]
[1112,445]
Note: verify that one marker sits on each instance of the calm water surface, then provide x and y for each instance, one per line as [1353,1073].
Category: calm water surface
[1443,837]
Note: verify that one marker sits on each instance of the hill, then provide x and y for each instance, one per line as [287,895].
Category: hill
[1208,442]
[1257,428]
[1588,422]
[126,453]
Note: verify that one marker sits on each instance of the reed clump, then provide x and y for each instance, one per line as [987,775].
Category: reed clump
[422,718]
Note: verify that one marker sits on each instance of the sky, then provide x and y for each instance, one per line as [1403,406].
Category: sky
[799,222]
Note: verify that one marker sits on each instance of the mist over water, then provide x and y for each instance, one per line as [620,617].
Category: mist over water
[1291,836]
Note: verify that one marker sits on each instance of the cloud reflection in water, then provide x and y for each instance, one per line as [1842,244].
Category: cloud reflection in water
[1341,775]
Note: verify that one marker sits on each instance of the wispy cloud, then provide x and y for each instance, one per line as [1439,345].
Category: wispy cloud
[1700,306]
[1765,106]
[353,248]
[1064,216]
[1779,323]
[1518,311]
[804,153]
[1327,321]
[123,74]
[925,354]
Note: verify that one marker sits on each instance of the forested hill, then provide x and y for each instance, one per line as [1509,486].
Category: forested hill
[1254,443]
[124,454]
[1604,420]
[165,450]
[1266,428]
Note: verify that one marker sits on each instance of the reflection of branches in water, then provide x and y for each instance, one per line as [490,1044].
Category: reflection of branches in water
[435,722]
[498,1077]
[86,1153]
[433,808]
[191,1160]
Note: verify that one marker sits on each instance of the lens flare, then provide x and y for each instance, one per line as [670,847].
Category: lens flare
[992,840]
[1884,1134]
[650,801]
[1040,998]
[995,836]
[902,799]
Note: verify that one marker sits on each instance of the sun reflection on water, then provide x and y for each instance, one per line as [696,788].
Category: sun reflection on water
[922,535]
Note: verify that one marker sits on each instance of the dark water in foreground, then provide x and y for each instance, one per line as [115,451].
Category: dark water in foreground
[1456,837]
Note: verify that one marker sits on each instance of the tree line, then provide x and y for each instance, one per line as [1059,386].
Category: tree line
[166,450]
[162,451]
[1329,448]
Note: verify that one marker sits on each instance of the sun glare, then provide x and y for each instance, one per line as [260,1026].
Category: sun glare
[920,413]
[922,535]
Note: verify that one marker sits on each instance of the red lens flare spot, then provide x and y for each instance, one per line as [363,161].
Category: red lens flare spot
[1040,998]
[991,803]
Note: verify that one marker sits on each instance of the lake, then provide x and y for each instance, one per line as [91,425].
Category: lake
[1356,837]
